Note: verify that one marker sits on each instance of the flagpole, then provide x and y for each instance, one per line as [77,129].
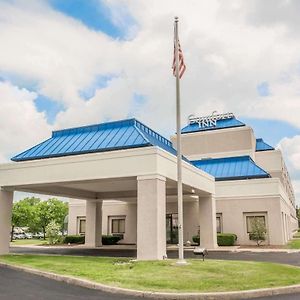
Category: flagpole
[179,160]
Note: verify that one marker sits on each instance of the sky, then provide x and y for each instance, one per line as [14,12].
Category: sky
[66,63]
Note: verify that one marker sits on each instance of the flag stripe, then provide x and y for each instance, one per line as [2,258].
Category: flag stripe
[182,66]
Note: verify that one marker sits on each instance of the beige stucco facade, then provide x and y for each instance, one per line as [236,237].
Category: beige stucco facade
[143,179]
[133,192]
[235,200]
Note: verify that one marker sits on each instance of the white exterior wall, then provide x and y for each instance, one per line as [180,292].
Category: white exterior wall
[109,209]
[273,198]
[129,210]
[234,214]
[235,141]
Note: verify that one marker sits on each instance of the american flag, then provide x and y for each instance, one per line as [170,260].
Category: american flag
[182,65]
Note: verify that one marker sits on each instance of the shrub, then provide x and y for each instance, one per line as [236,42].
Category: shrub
[196,239]
[226,239]
[223,239]
[53,233]
[110,239]
[258,231]
[74,239]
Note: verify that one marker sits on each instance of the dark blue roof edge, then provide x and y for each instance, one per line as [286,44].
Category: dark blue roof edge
[80,153]
[267,175]
[262,150]
[20,154]
[139,123]
[213,128]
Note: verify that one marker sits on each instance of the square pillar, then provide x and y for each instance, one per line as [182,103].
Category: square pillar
[151,217]
[93,225]
[207,215]
[6,203]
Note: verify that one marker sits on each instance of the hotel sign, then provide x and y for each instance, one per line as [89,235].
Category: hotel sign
[209,121]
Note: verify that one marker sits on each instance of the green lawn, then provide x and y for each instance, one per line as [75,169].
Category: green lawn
[294,244]
[29,242]
[197,276]
[297,235]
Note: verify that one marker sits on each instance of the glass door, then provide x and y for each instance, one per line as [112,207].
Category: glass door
[172,228]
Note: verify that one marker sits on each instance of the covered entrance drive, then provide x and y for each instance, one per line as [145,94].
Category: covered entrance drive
[144,174]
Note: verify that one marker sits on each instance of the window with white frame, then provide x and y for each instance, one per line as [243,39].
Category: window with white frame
[251,218]
[117,224]
[219,222]
[81,225]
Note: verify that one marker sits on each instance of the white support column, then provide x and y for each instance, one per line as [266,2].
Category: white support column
[151,218]
[207,214]
[6,202]
[93,226]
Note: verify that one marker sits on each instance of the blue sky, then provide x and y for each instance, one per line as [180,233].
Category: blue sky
[97,16]
[87,61]
[93,13]
[272,131]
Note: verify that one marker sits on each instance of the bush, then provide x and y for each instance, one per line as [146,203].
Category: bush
[74,239]
[223,239]
[110,239]
[226,239]
[53,233]
[196,239]
[80,239]
[258,232]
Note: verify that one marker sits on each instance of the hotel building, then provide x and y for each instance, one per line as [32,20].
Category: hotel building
[121,177]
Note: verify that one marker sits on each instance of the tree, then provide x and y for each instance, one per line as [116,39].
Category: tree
[258,231]
[23,214]
[51,210]
[53,231]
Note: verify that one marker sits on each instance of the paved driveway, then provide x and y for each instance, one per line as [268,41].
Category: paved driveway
[16,285]
[277,257]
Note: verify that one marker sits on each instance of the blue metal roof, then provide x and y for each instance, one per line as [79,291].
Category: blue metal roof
[231,168]
[221,124]
[261,145]
[109,136]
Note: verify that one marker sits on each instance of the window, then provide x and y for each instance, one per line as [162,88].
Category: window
[219,223]
[118,226]
[81,225]
[250,219]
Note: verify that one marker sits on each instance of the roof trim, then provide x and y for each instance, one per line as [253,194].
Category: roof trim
[239,177]
[102,137]
[261,145]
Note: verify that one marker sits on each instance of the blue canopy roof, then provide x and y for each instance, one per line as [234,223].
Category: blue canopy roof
[221,124]
[231,168]
[261,145]
[109,136]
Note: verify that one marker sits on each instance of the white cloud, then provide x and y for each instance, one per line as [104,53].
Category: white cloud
[229,49]
[21,125]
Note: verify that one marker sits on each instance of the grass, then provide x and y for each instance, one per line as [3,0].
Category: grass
[297,235]
[29,242]
[294,244]
[197,276]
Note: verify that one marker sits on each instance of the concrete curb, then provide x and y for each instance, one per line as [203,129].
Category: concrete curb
[248,294]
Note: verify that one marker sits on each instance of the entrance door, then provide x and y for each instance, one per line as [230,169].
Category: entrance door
[172,228]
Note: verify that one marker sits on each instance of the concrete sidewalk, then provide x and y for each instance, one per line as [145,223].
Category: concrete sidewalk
[169,248]
[283,257]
